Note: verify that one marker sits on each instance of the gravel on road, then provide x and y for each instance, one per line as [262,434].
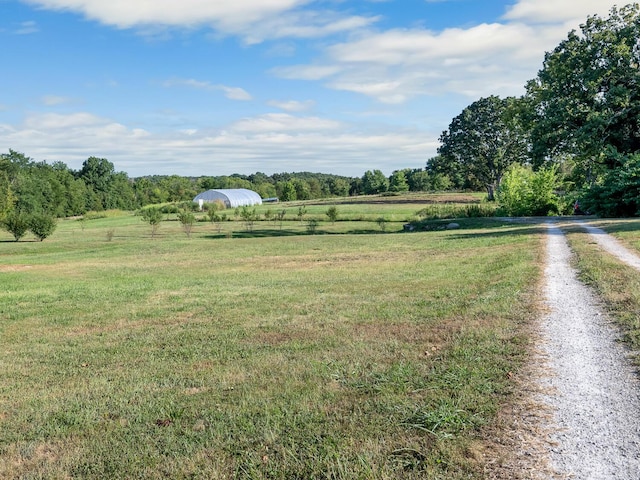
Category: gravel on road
[612,245]
[593,389]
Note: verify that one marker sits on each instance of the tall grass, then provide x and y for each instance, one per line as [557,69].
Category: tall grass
[307,356]
[448,211]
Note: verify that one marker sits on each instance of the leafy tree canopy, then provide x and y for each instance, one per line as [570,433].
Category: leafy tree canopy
[585,102]
[483,141]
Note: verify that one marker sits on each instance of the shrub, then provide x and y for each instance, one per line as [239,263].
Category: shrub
[42,226]
[524,192]
[17,224]
[442,212]
[171,208]
[94,215]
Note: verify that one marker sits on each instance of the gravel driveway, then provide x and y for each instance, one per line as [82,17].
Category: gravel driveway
[593,393]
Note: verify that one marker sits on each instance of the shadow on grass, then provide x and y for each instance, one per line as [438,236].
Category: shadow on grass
[486,226]
[296,233]
[500,232]
[22,240]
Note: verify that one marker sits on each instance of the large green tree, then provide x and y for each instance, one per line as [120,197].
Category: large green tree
[585,102]
[483,141]
[398,182]
[374,182]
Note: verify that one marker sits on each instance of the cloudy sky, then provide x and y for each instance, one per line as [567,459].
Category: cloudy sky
[214,87]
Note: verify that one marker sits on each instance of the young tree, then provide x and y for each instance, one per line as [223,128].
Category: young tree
[153,216]
[312,225]
[280,217]
[332,213]
[187,219]
[16,223]
[249,217]
[483,141]
[302,211]
[42,225]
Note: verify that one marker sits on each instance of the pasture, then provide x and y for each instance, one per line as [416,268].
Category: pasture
[356,352]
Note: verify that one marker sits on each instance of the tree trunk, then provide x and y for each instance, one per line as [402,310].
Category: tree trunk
[491,192]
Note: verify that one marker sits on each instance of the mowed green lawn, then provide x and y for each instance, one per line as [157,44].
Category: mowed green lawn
[351,356]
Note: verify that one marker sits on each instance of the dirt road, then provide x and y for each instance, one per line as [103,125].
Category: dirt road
[593,393]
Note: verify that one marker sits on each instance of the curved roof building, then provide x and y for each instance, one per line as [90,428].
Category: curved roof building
[232,197]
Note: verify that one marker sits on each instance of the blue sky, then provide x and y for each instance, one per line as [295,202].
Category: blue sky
[207,87]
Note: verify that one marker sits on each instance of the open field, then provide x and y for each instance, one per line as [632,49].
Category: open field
[353,353]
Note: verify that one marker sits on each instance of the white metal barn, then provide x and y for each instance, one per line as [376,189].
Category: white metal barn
[232,197]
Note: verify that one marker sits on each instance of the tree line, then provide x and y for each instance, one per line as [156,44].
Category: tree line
[574,134]
[29,187]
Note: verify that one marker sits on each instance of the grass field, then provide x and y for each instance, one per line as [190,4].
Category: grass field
[350,354]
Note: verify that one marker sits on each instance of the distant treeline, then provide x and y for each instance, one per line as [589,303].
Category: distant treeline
[37,187]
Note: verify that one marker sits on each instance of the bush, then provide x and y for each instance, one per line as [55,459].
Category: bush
[524,192]
[17,224]
[94,215]
[42,226]
[168,209]
[448,211]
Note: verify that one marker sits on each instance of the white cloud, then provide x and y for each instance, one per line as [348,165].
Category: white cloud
[396,65]
[282,122]
[554,11]
[269,143]
[307,72]
[57,122]
[232,93]
[131,13]
[253,20]
[292,105]
[309,24]
[235,93]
